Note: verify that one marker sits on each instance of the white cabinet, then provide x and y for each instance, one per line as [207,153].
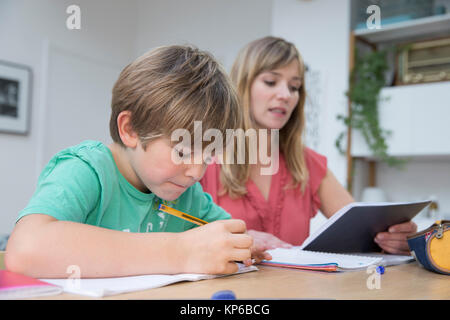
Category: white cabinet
[418,117]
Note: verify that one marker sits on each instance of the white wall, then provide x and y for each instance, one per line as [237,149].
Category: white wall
[221,27]
[34,33]
[420,179]
[320,30]
[74,70]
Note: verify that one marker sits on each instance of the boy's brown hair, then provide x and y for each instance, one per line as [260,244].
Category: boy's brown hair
[169,88]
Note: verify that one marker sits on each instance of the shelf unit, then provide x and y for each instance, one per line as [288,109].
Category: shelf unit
[409,107]
[434,26]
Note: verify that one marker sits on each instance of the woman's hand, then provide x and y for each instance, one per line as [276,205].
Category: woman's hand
[267,240]
[394,240]
[263,241]
[258,254]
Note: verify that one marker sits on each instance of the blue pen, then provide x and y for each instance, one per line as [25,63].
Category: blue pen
[380,269]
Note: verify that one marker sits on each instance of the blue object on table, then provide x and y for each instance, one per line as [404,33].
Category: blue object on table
[224,295]
[380,269]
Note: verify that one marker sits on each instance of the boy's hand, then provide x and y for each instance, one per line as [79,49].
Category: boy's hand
[394,240]
[214,247]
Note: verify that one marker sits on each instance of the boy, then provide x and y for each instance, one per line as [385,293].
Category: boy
[96,206]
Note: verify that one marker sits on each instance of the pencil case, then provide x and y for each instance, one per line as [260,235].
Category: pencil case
[431,247]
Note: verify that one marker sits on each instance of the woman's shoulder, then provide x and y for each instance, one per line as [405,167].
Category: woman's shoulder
[313,158]
[316,164]
[311,154]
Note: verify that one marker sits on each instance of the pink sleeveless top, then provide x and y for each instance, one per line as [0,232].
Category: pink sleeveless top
[287,212]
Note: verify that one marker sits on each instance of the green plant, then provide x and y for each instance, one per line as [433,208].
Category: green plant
[366,81]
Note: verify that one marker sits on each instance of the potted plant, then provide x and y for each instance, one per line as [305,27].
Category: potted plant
[366,81]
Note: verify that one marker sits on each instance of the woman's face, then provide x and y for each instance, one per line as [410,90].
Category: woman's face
[274,95]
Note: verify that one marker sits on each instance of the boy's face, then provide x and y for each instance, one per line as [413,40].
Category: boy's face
[155,170]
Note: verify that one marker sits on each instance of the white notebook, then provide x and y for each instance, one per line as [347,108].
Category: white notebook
[301,259]
[295,257]
[100,287]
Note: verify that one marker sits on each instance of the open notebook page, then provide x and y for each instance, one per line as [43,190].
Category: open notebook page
[100,287]
[294,257]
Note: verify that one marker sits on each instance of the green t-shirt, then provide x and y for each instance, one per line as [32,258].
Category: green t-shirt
[83,184]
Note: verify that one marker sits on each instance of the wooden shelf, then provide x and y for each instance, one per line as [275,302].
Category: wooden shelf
[434,26]
[415,114]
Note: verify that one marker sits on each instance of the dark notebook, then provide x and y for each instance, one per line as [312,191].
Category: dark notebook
[353,228]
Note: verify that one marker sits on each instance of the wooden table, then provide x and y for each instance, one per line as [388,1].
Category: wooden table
[408,281]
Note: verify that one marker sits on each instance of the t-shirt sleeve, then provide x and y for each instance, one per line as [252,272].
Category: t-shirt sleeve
[317,167]
[68,189]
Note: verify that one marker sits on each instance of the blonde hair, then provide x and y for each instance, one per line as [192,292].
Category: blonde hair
[169,88]
[262,55]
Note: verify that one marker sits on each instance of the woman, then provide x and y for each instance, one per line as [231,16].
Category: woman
[269,77]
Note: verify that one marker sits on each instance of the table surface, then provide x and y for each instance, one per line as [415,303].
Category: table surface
[407,281]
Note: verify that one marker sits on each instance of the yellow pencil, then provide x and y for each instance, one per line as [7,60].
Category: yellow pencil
[181,215]
[186,217]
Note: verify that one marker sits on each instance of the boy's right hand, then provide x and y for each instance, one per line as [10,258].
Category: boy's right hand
[214,247]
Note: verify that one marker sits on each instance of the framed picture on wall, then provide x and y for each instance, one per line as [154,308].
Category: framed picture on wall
[15,91]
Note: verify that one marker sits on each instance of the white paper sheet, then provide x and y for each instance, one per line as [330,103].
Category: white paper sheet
[100,287]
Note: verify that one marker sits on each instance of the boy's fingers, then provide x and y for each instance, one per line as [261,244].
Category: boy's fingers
[235,225]
[241,255]
[242,241]
[231,267]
